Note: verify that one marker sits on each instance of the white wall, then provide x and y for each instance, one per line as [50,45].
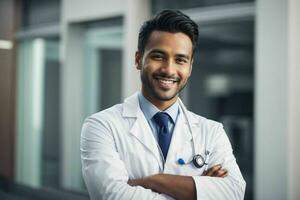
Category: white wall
[137,12]
[271,100]
[276,116]
[294,99]
[71,108]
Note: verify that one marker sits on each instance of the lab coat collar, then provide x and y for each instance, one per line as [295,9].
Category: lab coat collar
[131,107]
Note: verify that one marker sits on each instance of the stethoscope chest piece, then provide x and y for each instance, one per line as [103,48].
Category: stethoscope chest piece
[198,161]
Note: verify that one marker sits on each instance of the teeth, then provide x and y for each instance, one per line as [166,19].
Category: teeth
[166,81]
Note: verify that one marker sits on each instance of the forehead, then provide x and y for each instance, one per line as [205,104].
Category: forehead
[170,42]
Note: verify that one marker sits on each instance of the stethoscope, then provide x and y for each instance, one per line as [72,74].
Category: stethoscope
[198,160]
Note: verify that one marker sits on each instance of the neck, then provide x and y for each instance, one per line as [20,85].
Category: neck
[160,104]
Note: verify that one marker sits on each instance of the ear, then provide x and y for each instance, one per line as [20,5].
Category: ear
[138,60]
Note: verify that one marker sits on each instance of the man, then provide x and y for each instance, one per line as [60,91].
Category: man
[151,146]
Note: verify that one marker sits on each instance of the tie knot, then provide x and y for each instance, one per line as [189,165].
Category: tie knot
[162,118]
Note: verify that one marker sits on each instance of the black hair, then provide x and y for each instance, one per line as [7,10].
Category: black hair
[172,21]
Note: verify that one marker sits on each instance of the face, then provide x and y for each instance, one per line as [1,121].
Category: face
[165,66]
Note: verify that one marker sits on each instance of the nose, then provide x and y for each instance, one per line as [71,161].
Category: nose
[169,67]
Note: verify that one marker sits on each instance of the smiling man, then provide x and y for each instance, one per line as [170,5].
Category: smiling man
[151,146]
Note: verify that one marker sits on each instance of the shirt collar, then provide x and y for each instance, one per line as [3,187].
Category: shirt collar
[150,110]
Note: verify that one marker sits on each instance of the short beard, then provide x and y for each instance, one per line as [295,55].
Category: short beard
[147,85]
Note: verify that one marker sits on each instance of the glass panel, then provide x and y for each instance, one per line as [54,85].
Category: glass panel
[38,113]
[111,63]
[51,132]
[222,83]
[30,111]
[103,68]
[36,12]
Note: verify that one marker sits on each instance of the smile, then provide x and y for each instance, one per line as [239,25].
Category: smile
[165,83]
[166,80]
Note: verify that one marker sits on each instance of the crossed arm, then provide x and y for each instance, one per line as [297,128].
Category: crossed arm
[178,187]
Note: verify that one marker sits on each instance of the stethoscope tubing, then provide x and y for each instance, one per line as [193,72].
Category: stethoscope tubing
[196,156]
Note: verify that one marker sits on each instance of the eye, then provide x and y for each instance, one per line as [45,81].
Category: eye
[181,60]
[157,56]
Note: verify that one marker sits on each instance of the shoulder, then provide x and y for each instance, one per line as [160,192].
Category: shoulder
[102,125]
[105,117]
[115,117]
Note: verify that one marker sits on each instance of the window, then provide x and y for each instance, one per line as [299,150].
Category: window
[222,86]
[38,131]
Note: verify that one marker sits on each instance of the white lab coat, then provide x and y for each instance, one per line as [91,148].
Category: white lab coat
[117,145]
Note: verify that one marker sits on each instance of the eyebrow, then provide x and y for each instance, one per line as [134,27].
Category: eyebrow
[162,52]
[183,56]
[157,51]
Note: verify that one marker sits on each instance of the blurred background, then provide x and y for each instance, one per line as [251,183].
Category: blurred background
[62,60]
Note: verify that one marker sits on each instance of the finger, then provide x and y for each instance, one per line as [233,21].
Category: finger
[224,175]
[212,170]
[130,182]
[219,173]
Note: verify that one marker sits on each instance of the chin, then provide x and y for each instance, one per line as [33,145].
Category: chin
[165,97]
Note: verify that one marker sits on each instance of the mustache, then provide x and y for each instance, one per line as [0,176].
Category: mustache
[166,76]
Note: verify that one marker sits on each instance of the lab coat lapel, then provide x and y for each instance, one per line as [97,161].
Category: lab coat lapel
[140,128]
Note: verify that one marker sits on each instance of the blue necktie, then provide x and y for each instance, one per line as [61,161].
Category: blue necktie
[164,135]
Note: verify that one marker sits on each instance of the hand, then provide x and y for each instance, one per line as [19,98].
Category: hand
[216,171]
[135,182]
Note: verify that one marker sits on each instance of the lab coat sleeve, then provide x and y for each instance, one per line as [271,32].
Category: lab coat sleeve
[103,171]
[231,187]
